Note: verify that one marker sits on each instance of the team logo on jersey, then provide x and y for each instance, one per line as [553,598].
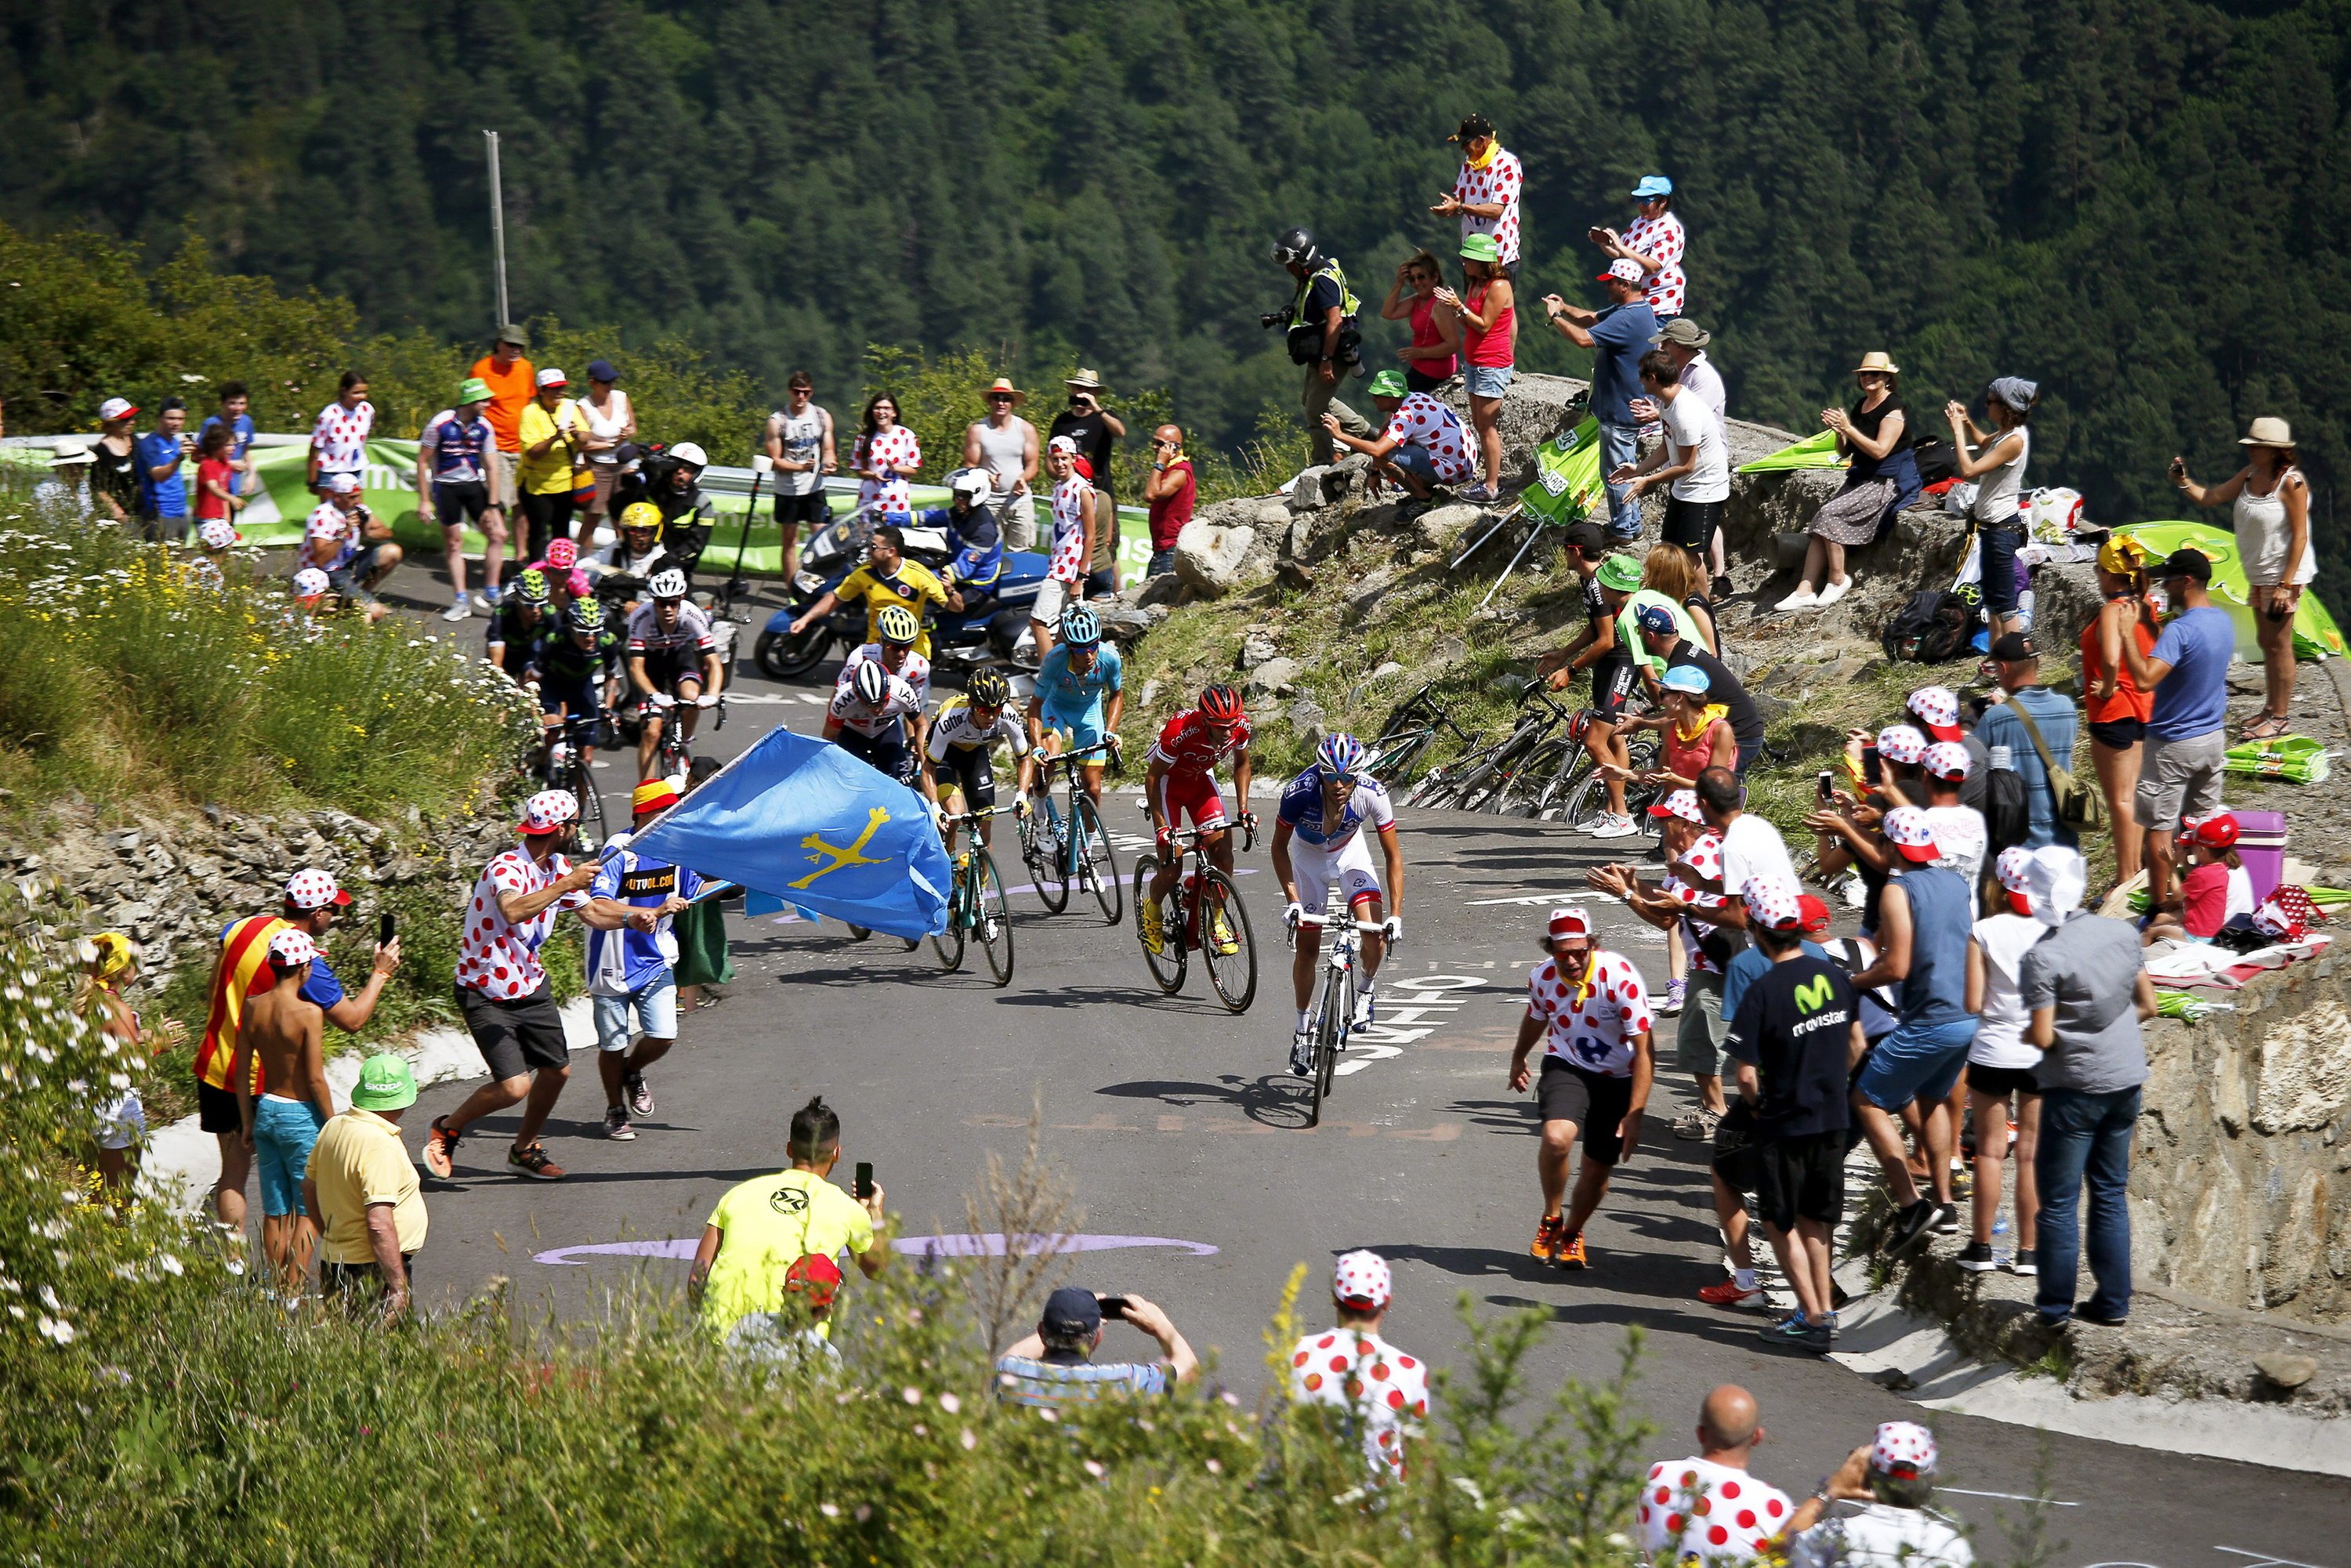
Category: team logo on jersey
[1815,994]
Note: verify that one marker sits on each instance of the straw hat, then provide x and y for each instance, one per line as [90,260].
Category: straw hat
[64,453]
[1877,359]
[1004,384]
[1085,381]
[2268,432]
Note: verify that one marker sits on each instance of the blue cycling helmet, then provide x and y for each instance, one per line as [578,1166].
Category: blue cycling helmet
[1340,756]
[1080,624]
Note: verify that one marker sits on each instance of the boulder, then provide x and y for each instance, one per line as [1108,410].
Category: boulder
[1306,490]
[1295,577]
[1273,675]
[1441,528]
[1306,718]
[1257,647]
[1209,556]
[1125,623]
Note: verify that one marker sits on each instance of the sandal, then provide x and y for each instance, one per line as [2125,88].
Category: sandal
[2265,727]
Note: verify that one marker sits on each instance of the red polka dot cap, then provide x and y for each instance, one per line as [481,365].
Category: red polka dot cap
[1774,902]
[1904,1451]
[1901,743]
[1911,830]
[1937,709]
[309,582]
[293,949]
[548,812]
[1567,923]
[311,888]
[1362,1282]
[1682,803]
[1945,759]
[2014,866]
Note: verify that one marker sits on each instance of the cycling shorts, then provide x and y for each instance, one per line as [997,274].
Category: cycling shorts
[1349,868]
[1196,796]
[1612,685]
[969,770]
[460,503]
[665,667]
[577,698]
[884,753]
[1084,730]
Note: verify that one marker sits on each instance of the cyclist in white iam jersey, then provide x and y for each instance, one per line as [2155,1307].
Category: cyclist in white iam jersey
[1324,809]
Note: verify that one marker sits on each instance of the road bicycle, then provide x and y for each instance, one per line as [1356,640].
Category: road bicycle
[1418,722]
[567,769]
[976,904]
[1479,785]
[1203,912]
[1333,1018]
[673,757]
[1061,847]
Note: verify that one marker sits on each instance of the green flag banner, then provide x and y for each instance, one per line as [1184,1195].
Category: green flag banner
[1813,451]
[2314,633]
[1567,487]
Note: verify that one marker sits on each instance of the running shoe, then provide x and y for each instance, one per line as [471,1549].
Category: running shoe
[616,1124]
[1677,993]
[1803,598]
[460,609]
[1976,1258]
[1301,1054]
[1615,828]
[490,596]
[1155,927]
[1909,1228]
[533,1163]
[1570,1253]
[1729,1293]
[1548,1237]
[1834,591]
[638,1092]
[1795,1333]
[1698,1127]
[2022,1264]
[1477,495]
[1723,588]
[440,1149]
[1946,1221]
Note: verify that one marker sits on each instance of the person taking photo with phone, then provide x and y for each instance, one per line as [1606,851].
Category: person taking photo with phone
[1054,1367]
[763,1227]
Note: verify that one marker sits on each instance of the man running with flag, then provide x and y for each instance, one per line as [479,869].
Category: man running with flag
[632,962]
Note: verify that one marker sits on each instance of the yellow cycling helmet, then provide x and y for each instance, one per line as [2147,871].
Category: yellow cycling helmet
[642,515]
[897,624]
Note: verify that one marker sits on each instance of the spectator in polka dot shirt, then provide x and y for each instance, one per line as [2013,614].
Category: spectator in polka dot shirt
[1654,243]
[1887,1483]
[1485,195]
[1424,444]
[340,437]
[1708,1509]
[1383,1390]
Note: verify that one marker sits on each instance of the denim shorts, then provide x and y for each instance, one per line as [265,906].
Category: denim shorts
[1998,561]
[1916,1061]
[1411,459]
[1486,381]
[283,1132]
[654,1004]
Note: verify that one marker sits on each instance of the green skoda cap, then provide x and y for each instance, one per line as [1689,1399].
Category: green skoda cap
[1621,572]
[472,389]
[1389,383]
[1480,247]
[386,1083]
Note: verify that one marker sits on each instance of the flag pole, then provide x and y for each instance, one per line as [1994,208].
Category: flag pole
[498,226]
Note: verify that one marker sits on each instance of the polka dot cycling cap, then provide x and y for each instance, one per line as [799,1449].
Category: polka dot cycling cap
[311,888]
[1901,743]
[547,811]
[1774,902]
[293,948]
[1363,1281]
[1904,1451]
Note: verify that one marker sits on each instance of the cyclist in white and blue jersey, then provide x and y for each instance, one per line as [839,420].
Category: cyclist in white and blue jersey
[1317,843]
[1080,695]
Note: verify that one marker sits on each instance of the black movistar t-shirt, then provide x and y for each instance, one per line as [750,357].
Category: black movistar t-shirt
[1722,686]
[1795,1025]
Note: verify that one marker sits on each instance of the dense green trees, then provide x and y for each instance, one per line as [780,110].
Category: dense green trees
[2143,206]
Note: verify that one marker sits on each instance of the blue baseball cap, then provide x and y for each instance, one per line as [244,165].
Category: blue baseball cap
[1652,185]
[1654,618]
[1687,678]
[1070,1312]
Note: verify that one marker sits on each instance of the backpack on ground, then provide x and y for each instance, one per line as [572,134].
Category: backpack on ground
[1931,628]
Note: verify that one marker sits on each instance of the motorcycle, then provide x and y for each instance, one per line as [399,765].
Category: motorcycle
[992,627]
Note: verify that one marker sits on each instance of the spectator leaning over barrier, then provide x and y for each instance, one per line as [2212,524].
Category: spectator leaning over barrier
[1875,436]
[1170,493]
[1423,444]
[1487,316]
[1384,1392]
[1994,461]
[361,1192]
[2115,705]
[1430,358]
[2272,519]
[1708,1509]
[2086,995]
[163,493]
[1692,464]
[1485,194]
[513,381]
[1924,917]
[1618,335]
[1054,1367]
[1891,1479]
[2008,728]
[1654,242]
[115,483]
[2186,724]
[338,437]
[2001,1065]
[755,1240]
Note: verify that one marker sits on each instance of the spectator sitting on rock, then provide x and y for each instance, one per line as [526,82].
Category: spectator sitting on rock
[1874,436]
[1423,445]
[1054,1367]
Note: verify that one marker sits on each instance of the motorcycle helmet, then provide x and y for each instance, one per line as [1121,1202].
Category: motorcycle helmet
[1297,245]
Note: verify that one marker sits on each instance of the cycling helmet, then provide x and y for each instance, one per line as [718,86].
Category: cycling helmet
[531,587]
[1340,756]
[1080,625]
[989,689]
[897,626]
[872,683]
[1297,245]
[1220,703]
[1578,726]
[562,554]
[585,615]
[640,514]
[667,583]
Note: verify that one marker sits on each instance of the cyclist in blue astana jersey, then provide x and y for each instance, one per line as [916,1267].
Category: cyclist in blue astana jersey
[1317,843]
[1068,708]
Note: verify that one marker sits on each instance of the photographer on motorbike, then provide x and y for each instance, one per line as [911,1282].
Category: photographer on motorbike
[622,569]
[672,663]
[673,487]
[1320,327]
[974,539]
[887,577]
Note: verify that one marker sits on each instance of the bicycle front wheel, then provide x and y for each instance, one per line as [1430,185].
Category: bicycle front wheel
[1521,794]
[1097,863]
[1040,833]
[949,943]
[992,912]
[1227,947]
[1168,964]
[1327,1024]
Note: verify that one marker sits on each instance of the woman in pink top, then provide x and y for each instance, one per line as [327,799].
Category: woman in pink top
[1489,349]
[1429,359]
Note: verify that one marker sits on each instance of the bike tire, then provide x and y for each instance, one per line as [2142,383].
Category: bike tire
[949,943]
[992,914]
[1047,872]
[1098,861]
[1326,1049]
[1480,788]
[1168,965]
[786,658]
[1522,793]
[1233,977]
[1587,803]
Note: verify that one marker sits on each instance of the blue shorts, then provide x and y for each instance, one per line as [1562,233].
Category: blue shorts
[654,1005]
[283,1132]
[1082,731]
[1998,562]
[1486,381]
[1916,1061]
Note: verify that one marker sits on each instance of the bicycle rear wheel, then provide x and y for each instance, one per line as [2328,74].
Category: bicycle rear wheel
[1044,860]
[1522,793]
[949,943]
[1232,975]
[592,802]
[1168,964]
[992,914]
[1586,803]
[1097,863]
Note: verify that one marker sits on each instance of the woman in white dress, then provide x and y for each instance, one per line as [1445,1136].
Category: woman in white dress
[2273,521]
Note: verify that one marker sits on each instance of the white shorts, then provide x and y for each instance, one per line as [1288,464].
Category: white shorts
[1317,869]
[1051,598]
[121,1122]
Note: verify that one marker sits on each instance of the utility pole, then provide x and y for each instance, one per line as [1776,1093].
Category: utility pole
[498,228]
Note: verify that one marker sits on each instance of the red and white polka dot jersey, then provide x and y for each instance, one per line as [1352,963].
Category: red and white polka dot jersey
[1705,1513]
[1500,181]
[340,437]
[1421,421]
[1704,857]
[1071,497]
[1355,1370]
[495,956]
[1596,1032]
[1662,240]
[894,448]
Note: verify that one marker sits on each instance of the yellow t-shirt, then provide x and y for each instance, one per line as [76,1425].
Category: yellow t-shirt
[769,1223]
[550,475]
[357,1161]
[919,590]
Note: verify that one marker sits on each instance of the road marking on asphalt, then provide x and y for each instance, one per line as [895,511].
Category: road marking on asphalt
[1173,1126]
[2012,1497]
[1429,1000]
[2264,1559]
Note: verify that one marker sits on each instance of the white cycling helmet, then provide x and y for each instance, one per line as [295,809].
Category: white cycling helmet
[667,583]
[691,454]
[873,683]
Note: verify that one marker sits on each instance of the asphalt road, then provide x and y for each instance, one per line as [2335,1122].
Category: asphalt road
[1183,1130]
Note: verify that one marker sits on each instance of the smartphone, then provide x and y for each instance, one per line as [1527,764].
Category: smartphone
[1827,786]
[1113,1307]
[1871,771]
[383,930]
[862,1188]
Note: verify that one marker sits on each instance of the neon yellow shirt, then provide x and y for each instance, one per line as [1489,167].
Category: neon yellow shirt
[769,1223]
[550,475]
[918,588]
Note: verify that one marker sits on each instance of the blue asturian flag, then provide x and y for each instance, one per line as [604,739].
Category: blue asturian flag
[801,821]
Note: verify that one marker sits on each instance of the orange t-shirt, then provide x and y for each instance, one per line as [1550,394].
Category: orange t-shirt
[509,390]
[2128,701]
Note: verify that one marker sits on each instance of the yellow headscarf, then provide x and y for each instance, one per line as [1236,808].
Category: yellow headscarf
[2122,555]
[114,952]
[1705,722]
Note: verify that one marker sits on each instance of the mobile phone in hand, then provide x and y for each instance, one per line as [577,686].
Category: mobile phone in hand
[1112,1307]
[1872,771]
[383,930]
[861,1186]
[1827,787]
